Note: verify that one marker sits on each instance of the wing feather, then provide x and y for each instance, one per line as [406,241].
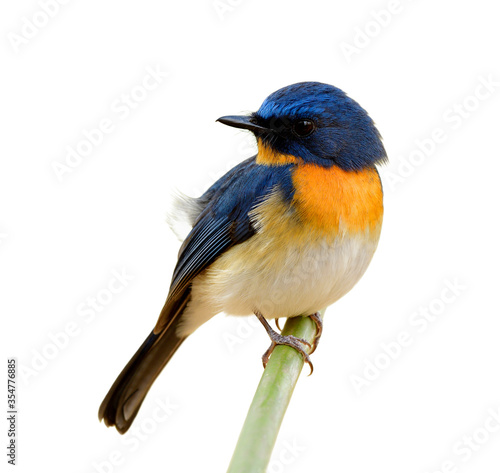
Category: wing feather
[223,223]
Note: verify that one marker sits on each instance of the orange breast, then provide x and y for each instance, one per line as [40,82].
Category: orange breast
[334,200]
[269,157]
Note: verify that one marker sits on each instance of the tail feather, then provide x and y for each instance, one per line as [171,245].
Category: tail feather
[122,403]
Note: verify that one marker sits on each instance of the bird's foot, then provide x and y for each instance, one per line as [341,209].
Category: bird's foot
[289,340]
[316,318]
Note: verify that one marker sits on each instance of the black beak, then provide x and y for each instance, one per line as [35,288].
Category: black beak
[242,121]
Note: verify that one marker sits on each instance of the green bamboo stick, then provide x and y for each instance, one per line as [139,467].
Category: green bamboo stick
[260,430]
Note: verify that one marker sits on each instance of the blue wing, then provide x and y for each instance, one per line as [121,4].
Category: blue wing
[223,222]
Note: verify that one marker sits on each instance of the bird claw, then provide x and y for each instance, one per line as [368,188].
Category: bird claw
[290,340]
[316,318]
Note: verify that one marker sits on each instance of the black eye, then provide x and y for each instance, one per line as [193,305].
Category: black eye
[303,127]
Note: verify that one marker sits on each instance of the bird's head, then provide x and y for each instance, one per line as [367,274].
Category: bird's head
[316,123]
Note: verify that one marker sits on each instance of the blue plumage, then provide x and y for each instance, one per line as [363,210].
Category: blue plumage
[224,220]
[296,126]
[345,135]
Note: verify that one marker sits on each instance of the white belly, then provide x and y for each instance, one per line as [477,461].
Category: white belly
[279,278]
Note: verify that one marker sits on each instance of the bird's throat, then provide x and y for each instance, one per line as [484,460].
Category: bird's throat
[269,157]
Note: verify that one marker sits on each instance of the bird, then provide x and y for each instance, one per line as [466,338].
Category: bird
[285,233]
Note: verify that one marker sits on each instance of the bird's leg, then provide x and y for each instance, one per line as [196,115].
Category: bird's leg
[277,322]
[278,339]
[316,318]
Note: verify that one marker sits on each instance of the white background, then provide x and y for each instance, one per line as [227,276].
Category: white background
[61,239]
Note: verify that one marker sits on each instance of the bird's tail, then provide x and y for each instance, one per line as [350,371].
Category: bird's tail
[122,403]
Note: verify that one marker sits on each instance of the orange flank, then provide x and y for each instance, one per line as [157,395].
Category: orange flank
[332,199]
[269,157]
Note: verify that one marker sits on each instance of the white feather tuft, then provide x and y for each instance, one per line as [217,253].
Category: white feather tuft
[182,214]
